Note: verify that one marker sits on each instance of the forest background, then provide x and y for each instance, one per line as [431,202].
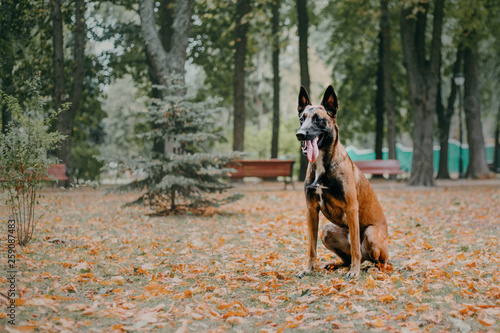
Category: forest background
[392,64]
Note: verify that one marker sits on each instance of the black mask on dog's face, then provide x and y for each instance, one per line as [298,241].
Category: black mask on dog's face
[317,123]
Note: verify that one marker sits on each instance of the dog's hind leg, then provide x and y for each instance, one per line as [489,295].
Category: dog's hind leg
[374,246]
[336,239]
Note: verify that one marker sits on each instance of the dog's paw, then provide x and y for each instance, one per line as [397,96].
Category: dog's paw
[301,274]
[333,266]
[353,272]
[304,272]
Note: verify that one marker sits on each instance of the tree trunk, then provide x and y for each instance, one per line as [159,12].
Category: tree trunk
[167,15]
[5,118]
[165,53]
[386,77]
[168,53]
[444,118]
[423,79]
[303,27]
[7,87]
[379,104]
[158,143]
[243,8]
[58,55]
[442,135]
[157,55]
[59,96]
[11,17]
[496,154]
[180,26]
[79,56]
[276,78]
[65,120]
[478,166]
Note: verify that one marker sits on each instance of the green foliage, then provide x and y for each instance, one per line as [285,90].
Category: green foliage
[353,52]
[257,140]
[213,31]
[23,158]
[186,175]
[26,50]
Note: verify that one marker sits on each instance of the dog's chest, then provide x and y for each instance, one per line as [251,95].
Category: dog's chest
[326,185]
[319,173]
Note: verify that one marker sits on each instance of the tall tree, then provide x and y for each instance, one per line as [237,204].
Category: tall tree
[303,31]
[79,56]
[167,56]
[165,52]
[478,166]
[496,154]
[58,57]
[379,101]
[385,59]
[15,26]
[243,8]
[423,78]
[166,17]
[276,78]
[444,118]
[65,120]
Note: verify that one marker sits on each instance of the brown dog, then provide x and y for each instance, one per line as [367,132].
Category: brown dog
[336,187]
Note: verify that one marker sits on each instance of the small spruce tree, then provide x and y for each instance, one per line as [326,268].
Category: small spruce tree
[188,172]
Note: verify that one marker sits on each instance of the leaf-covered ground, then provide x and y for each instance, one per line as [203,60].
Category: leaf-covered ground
[97,266]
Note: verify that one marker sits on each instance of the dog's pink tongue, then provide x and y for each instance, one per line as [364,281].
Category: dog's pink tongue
[312,149]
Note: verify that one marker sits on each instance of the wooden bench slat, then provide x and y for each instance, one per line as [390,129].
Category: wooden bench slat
[58,171]
[262,168]
[379,167]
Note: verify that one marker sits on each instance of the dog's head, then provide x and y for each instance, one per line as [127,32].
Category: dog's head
[318,128]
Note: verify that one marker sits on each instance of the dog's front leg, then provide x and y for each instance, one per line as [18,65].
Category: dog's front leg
[352,214]
[312,230]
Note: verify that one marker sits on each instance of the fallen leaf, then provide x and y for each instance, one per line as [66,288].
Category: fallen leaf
[486,321]
[119,280]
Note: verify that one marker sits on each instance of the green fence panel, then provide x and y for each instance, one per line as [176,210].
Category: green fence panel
[405,155]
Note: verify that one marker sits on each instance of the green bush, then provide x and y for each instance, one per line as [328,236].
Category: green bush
[23,158]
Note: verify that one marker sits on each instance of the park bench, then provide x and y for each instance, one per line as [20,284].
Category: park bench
[58,171]
[271,168]
[379,167]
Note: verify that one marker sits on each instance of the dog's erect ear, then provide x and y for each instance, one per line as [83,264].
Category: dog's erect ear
[303,100]
[330,102]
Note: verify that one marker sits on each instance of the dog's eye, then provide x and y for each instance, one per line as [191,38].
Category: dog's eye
[319,120]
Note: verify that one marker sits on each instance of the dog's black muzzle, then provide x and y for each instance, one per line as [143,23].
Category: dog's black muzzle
[304,135]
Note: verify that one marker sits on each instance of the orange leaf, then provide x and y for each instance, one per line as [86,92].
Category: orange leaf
[228,305]
[266,299]
[19,302]
[25,328]
[386,298]
[235,314]
[486,321]
[376,323]
[186,294]
[60,298]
